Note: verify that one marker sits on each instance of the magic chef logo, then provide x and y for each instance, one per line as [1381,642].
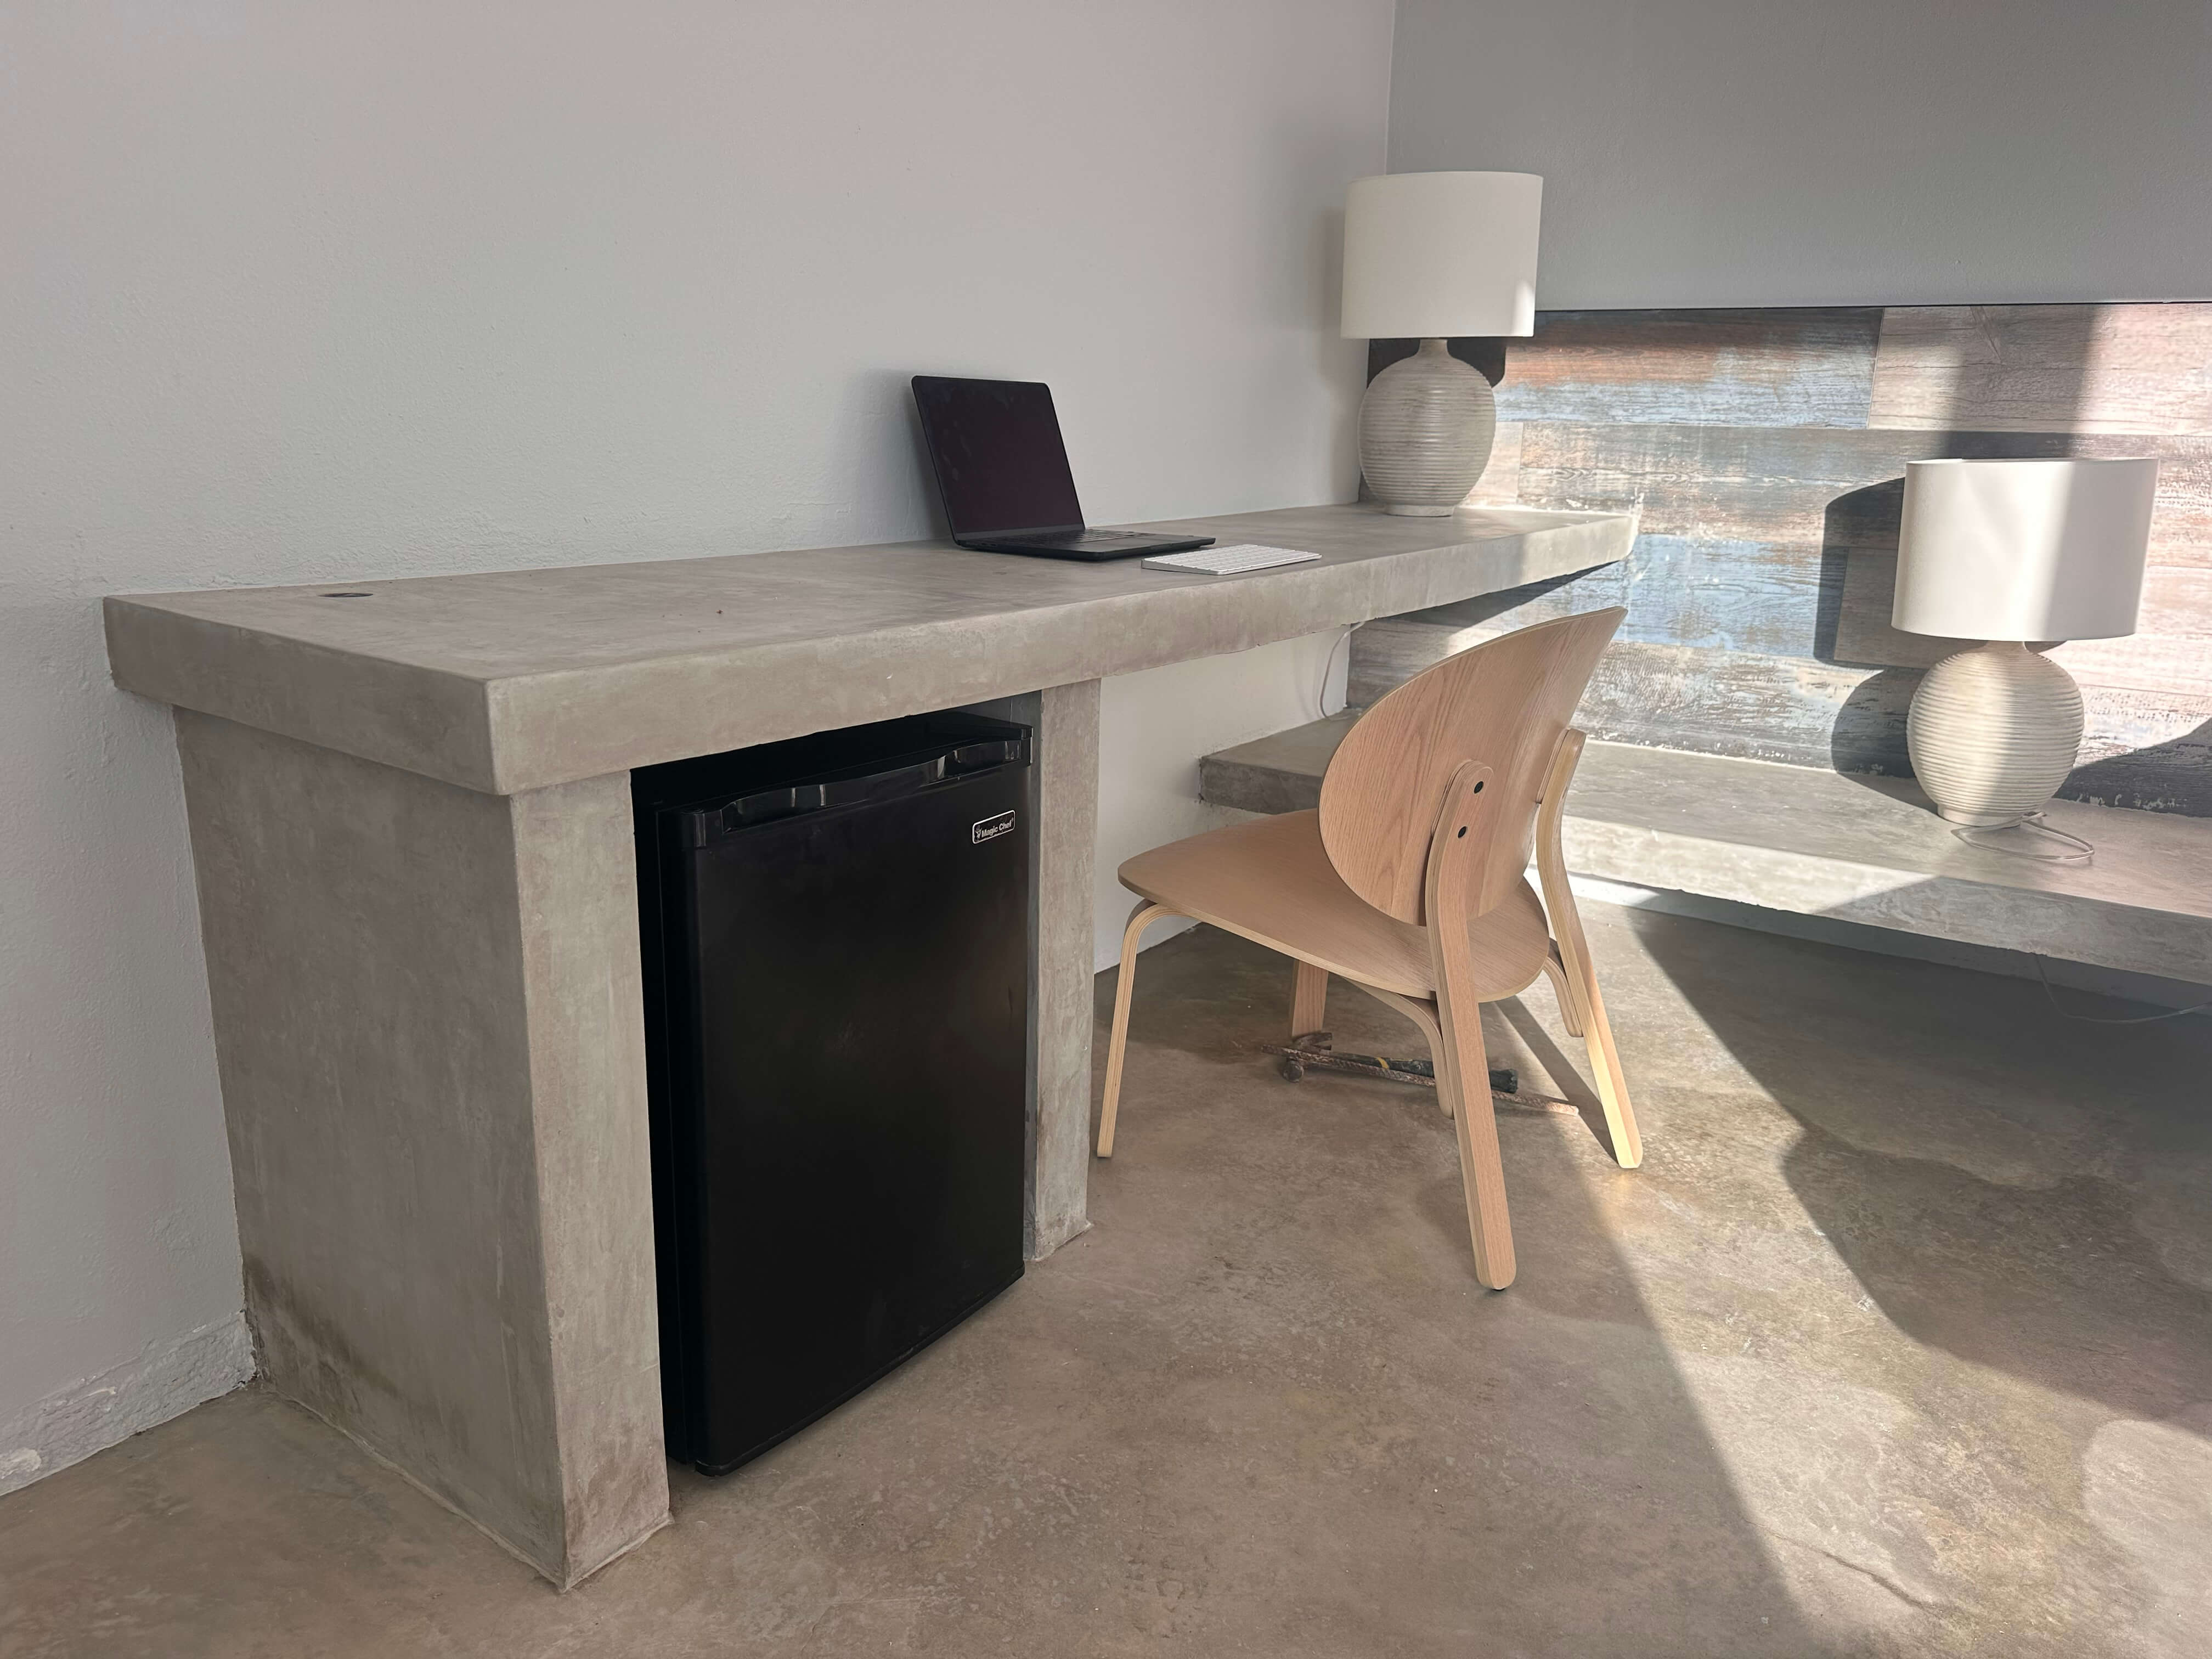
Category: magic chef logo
[992,828]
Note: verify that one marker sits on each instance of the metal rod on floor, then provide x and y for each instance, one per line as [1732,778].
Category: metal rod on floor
[1312,1052]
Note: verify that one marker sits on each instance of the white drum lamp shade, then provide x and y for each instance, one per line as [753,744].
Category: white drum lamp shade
[2013,552]
[1434,255]
[1430,256]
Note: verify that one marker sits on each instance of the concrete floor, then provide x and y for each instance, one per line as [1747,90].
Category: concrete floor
[1899,1343]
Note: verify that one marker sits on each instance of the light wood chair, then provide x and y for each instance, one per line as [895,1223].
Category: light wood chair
[1410,882]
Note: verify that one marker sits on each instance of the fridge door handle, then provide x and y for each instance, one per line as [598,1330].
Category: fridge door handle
[770,805]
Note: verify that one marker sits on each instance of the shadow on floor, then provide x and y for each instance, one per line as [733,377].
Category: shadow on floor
[2023,1192]
[1526,1466]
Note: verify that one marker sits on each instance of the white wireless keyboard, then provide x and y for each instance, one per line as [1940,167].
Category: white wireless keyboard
[1228,561]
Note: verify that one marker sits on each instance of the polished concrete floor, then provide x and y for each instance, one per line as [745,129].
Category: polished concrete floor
[1900,1342]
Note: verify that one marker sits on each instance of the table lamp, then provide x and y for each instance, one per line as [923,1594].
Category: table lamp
[1428,256]
[2010,552]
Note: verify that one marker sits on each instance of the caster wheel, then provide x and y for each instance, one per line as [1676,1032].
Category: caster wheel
[1293,1071]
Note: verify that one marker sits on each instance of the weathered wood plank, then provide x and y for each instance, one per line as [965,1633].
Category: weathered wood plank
[1777,486]
[1500,483]
[1387,652]
[2155,664]
[1787,709]
[1784,540]
[1861,636]
[2171,651]
[1796,367]
[2144,368]
[1720,595]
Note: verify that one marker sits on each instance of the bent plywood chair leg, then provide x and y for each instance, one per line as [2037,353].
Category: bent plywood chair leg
[1462,1067]
[1117,1043]
[1309,1001]
[1423,1015]
[1574,957]
[1605,1059]
[1563,986]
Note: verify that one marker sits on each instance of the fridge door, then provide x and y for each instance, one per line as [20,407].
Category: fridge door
[858,1051]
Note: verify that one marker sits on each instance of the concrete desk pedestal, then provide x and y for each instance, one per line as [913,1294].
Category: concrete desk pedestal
[411,822]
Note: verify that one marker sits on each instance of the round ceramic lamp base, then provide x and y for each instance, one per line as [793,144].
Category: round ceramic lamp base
[1426,430]
[1993,733]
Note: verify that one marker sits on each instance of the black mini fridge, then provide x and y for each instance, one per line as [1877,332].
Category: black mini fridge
[835,942]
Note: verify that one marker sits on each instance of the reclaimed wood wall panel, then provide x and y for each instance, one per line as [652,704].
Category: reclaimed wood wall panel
[2045,368]
[1810,367]
[1764,454]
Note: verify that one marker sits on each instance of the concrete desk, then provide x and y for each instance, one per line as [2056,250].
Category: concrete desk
[410,822]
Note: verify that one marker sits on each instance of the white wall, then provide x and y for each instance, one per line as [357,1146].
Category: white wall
[1806,152]
[299,292]
[1153,727]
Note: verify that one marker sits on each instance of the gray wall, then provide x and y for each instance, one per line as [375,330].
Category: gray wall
[1806,152]
[294,294]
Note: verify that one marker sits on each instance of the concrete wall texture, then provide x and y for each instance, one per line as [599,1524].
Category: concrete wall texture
[293,295]
[1749,152]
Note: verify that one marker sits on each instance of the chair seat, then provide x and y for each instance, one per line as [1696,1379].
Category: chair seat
[1270,881]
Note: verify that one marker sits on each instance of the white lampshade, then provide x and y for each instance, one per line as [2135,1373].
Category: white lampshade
[2023,549]
[1434,255]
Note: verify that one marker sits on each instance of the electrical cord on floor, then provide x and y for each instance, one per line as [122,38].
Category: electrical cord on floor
[2104,1019]
[2080,851]
[1320,692]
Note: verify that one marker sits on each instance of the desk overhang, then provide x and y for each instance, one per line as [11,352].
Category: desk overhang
[510,681]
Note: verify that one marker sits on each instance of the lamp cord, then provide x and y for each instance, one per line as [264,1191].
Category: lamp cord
[2081,853]
[1320,691]
[2102,1019]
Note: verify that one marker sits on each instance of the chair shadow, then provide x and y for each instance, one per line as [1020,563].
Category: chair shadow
[1566,1076]
[1569,1368]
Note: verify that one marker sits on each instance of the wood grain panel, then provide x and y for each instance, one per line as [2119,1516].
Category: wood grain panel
[1765,452]
[1387,652]
[1773,485]
[1795,367]
[2171,650]
[1791,710]
[2144,368]
[1500,483]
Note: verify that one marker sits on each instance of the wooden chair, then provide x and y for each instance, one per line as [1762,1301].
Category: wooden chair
[1409,881]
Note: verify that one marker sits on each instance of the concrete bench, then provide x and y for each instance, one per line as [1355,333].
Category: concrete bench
[1853,848]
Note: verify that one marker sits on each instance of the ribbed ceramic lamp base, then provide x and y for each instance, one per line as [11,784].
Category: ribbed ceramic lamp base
[1993,733]
[1426,430]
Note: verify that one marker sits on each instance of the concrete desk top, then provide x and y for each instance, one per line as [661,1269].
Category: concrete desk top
[1863,849]
[514,681]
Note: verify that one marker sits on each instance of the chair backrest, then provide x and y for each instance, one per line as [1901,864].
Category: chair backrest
[1505,704]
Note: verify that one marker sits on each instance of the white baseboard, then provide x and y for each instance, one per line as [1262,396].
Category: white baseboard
[168,1378]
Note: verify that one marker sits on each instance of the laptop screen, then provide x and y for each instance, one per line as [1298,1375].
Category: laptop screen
[996,450]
